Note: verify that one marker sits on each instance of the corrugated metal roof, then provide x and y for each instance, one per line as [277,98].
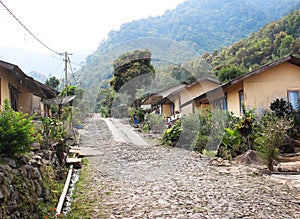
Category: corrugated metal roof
[36,87]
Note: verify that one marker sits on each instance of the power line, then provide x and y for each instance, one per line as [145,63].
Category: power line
[35,37]
[72,73]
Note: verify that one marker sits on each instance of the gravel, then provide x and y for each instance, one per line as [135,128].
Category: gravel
[155,181]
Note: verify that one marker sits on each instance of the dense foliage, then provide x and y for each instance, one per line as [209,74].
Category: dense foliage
[16,131]
[180,35]
[204,25]
[270,43]
[273,131]
[53,82]
[198,131]
[281,108]
[131,65]
[72,90]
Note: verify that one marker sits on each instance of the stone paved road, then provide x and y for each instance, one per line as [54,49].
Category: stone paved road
[152,181]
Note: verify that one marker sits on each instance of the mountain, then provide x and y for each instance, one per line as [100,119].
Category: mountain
[274,41]
[205,25]
[182,34]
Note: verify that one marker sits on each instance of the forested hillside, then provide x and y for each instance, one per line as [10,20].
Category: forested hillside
[270,43]
[205,25]
[182,36]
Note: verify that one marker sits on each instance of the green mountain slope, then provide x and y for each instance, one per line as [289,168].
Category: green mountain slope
[183,34]
[270,43]
[204,24]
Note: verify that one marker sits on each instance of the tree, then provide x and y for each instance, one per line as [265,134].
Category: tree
[181,74]
[52,82]
[229,73]
[271,136]
[131,65]
[72,90]
[104,100]
[16,131]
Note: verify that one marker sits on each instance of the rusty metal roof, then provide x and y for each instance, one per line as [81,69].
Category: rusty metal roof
[37,88]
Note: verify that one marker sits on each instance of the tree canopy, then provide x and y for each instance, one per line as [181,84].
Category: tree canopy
[53,82]
[268,44]
[131,65]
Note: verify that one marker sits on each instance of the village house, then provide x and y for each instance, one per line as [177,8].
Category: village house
[257,89]
[179,100]
[24,93]
[159,101]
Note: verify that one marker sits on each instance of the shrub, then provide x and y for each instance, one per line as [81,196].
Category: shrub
[16,131]
[246,125]
[281,108]
[190,130]
[272,134]
[239,135]
[51,129]
[232,142]
[155,122]
[172,134]
[203,130]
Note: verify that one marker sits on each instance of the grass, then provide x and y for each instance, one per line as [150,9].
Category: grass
[85,202]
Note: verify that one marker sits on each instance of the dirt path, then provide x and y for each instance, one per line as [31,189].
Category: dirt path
[135,179]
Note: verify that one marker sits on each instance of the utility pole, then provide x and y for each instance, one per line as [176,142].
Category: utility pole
[66,70]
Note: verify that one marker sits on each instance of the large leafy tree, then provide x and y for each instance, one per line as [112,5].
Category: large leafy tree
[131,65]
[53,82]
[229,73]
[72,90]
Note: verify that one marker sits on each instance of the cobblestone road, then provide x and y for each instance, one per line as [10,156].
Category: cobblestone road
[153,181]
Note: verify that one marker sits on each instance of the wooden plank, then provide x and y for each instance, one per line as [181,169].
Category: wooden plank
[64,193]
[73,160]
[75,151]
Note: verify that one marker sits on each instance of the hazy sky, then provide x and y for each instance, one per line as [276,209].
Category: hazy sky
[71,25]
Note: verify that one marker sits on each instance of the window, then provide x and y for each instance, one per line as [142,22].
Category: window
[220,103]
[294,99]
[241,101]
[13,97]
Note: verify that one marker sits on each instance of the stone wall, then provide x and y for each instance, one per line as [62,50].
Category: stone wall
[27,183]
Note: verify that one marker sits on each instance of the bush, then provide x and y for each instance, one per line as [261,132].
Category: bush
[16,131]
[272,134]
[281,108]
[51,129]
[172,134]
[203,130]
[239,134]
[155,122]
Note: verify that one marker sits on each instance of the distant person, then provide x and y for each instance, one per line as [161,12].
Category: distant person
[135,119]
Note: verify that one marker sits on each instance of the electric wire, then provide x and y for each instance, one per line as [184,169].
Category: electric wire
[34,36]
[74,75]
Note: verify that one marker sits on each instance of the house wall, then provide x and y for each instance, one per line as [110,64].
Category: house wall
[188,109]
[232,93]
[177,103]
[196,89]
[4,87]
[25,102]
[166,109]
[261,89]
[24,97]
[191,92]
